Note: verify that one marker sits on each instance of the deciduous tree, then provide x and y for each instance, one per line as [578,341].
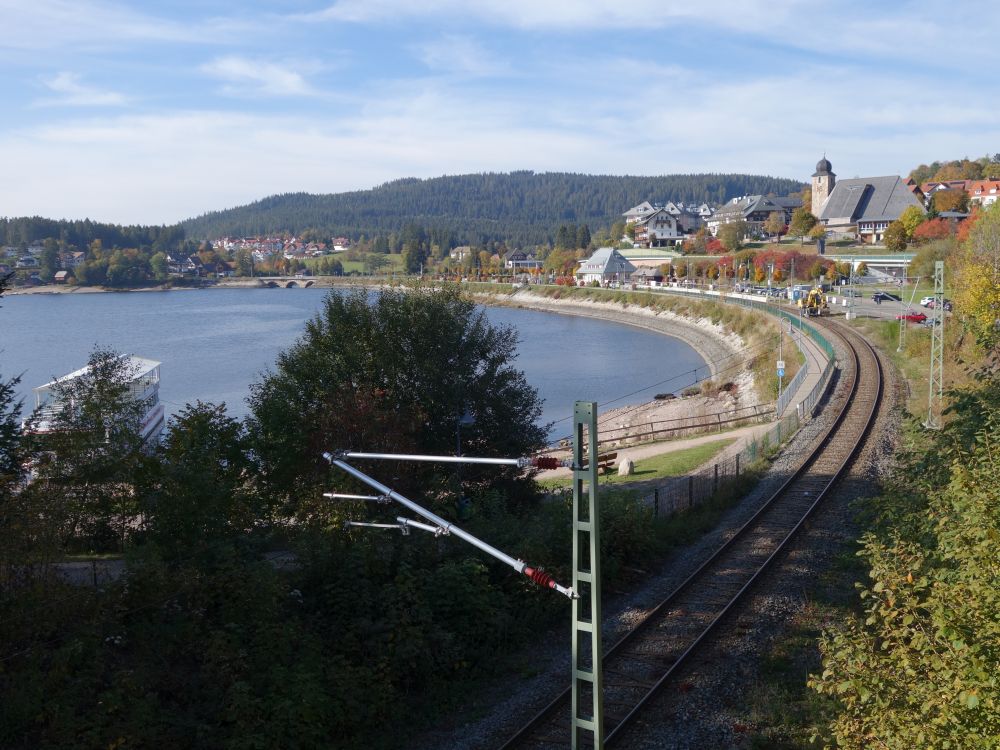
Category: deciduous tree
[895,237]
[911,218]
[802,222]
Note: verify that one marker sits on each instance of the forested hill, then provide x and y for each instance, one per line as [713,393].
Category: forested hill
[521,208]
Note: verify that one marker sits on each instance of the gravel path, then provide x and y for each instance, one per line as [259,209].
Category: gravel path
[715,711]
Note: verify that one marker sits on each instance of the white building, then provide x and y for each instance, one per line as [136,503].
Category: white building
[606,266]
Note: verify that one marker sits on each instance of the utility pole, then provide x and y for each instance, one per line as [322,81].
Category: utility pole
[588,681]
[935,395]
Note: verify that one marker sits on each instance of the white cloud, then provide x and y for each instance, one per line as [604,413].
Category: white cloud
[243,76]
[57,24]
[199,161]
[568,14]
[460,55]
[73,93]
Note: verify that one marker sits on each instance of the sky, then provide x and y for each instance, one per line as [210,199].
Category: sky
[155,112]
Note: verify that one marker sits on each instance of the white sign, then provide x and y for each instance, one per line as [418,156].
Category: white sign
[781,364]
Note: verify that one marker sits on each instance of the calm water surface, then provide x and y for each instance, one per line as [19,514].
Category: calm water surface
[214,343]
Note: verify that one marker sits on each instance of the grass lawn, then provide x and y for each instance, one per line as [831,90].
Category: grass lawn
[673,464]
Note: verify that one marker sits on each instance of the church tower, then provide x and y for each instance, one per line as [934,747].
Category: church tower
[822,185]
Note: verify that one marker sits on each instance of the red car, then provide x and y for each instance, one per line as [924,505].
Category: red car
[913,317]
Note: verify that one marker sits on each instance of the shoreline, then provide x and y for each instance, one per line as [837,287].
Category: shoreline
[711,341]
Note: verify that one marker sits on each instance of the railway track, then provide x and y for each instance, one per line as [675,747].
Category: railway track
[644,662]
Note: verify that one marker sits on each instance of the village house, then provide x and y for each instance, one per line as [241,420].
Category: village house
[689,218]
[983,192]
[863,206]
[606,266]
[520,261]
[460,253]
[658,228]
[754,211]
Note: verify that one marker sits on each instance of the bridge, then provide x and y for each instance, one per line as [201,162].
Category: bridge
[883,263]
[286,282]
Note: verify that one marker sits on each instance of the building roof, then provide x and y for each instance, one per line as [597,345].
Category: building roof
[823,167]
[867,199]
[606,261]
[748,204]
[641,210]
[138,366]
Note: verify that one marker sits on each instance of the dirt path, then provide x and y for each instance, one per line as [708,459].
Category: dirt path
[743,436]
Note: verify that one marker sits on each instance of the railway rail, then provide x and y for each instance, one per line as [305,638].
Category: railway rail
[645,662]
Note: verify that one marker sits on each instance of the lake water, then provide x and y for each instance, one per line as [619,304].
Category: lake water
[213,343]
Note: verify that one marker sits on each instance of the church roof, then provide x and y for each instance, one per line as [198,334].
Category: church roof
[867,199]
[823,167]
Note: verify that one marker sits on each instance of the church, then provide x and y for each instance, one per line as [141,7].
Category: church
[862,207]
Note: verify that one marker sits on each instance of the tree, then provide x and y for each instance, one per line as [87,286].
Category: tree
[375,262]
[950,200]
[911,218]
[414,257]
[203,494]
[817,233]
[932,229]
[392,372]
[583,236]
[918,668]
[93,455]
[979,278]
[802,222]
[731,235]
[158,267]
[775,223]
[49,260]
[895,237]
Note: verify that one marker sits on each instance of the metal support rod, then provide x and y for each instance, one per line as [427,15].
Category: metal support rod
[542,462]
[398,526]
[435,459]
[342,496]
[539,577]
[435,530]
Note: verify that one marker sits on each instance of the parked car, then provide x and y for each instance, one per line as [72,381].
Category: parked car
[912,317]
[927,301]
[947,304]
[885,297]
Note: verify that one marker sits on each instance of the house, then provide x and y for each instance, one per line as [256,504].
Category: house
[461,252]
[606,266]
[658,228]
[180,265]
[520,261]
[638,212]
[754,211]
[61,277]
[928,189]
[27,261]
[689,218]
[983,192]
[74,259]
[646,276]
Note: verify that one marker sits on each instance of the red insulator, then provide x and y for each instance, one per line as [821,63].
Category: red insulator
[539,576]
[546,462]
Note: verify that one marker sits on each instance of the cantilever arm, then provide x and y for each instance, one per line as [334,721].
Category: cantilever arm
[538,576]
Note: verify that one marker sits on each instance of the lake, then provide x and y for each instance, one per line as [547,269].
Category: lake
[214,343]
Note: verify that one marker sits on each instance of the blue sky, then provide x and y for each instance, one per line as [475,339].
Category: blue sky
[155,112]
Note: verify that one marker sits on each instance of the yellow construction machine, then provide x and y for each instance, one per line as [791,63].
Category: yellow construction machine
[814,302]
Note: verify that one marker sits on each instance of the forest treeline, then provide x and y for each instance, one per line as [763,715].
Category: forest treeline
[519,208]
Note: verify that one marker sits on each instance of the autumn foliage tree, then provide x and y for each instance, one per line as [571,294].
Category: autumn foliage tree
[933,229]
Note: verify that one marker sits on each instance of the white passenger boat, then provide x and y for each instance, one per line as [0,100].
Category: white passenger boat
[144,388]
